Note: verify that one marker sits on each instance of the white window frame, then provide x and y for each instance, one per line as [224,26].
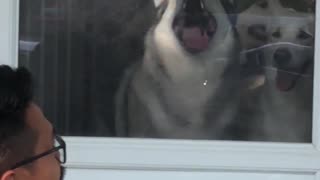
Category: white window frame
[176,155]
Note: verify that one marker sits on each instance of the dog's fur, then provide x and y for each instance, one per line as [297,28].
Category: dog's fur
[284,105]
[174,93]
[252,23]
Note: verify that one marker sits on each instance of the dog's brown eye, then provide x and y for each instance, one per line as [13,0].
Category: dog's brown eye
[304,35]
[258,31]
[276,34]
[162,8]
[263,4]
[160,12]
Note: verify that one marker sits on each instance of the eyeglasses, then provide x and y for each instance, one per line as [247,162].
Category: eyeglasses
[59,148]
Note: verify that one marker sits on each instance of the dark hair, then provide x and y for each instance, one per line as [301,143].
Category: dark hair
[16,93]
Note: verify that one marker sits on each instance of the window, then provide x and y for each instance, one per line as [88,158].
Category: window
[123,158]
[98,73]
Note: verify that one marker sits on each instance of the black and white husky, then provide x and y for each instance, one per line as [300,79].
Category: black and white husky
[188,82]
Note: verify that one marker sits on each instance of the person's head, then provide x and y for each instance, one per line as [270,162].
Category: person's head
[29,147]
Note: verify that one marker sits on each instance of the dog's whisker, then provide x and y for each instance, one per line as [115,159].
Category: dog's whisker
[275,44]
[289,72]
[221,59]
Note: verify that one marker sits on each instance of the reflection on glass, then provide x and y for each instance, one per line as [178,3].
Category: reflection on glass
[180,69]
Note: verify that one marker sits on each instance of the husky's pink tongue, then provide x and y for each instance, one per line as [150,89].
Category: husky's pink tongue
[194,39]
[285,81]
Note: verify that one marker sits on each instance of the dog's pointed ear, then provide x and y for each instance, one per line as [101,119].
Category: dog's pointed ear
[230,8]
[157,3]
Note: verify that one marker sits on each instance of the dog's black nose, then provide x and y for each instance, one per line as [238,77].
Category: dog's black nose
[193,6]
[282,57]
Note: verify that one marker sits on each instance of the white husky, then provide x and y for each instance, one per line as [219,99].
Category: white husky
[284,104]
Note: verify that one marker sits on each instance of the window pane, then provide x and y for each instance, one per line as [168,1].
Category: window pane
[180,69]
